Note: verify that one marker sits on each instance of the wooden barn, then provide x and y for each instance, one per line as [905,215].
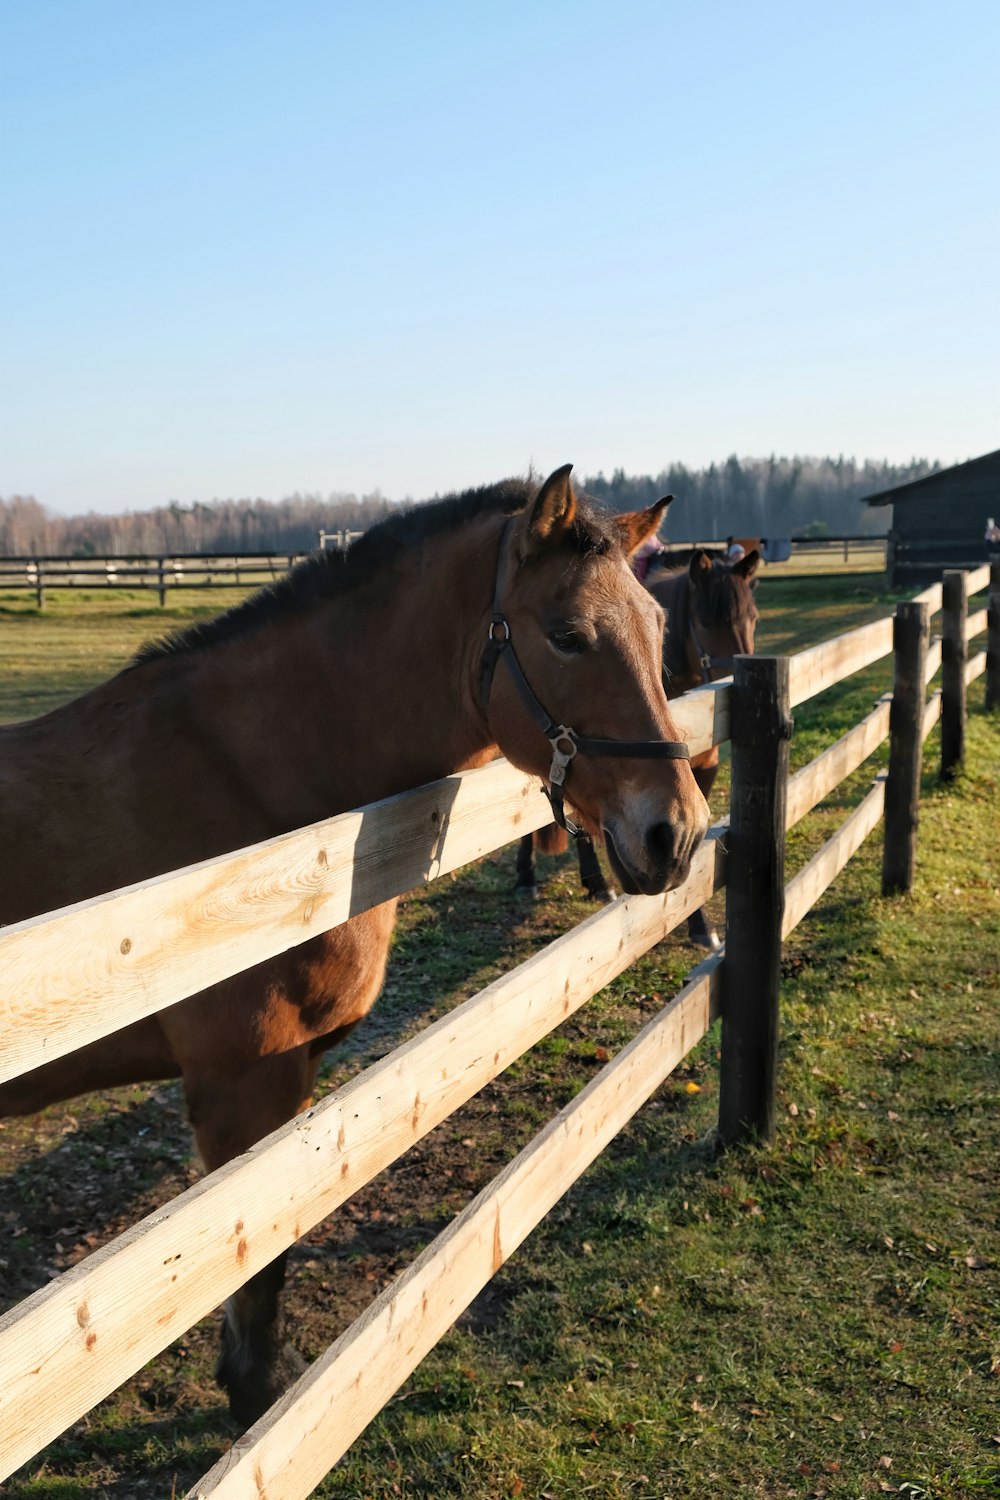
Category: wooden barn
[940,521]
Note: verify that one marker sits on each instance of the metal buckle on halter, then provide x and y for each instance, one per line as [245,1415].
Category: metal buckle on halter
[561,758]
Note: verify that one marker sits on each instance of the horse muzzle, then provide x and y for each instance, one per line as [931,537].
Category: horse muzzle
[658,860]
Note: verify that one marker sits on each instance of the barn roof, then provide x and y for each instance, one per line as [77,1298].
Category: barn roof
[987,464]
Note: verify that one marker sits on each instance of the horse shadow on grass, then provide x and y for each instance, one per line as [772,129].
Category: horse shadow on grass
[104,1162]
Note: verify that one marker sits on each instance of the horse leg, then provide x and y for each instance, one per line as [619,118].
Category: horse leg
[229,1114]
[250,1061]
[526,884]
[591,874]
[700,930]
[137,1053]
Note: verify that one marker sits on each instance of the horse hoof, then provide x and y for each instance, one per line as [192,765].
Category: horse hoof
[526,892]
[603,897]
[709,940]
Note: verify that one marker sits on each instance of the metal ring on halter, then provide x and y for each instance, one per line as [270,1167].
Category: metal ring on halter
[561,758]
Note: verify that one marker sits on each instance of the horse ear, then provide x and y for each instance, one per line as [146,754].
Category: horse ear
[554,507]
[637,526]
[700,566]
[748,565]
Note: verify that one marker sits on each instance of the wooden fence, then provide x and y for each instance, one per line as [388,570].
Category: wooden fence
[174,570]
[39,575]
[71,976]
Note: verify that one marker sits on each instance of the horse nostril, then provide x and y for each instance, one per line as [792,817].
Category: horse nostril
[661,841]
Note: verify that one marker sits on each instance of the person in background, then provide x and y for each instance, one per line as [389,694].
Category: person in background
[643,557]
[734,550]
[992,536]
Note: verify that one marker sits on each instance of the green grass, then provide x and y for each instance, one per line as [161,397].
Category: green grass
[815,1317]
[80,638]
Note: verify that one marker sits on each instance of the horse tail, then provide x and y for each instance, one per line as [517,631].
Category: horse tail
[551,840]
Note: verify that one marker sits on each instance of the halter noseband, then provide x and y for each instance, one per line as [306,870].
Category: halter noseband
[565,742]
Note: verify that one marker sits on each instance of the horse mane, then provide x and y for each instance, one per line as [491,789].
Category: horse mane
[325,574]
[724,597]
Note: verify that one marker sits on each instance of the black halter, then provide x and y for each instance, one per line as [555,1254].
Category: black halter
[565,742]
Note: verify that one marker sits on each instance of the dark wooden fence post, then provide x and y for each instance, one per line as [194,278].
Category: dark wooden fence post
[993,640]
[161,582]
[910,635]
[954,654]
[39,585]
[760,728]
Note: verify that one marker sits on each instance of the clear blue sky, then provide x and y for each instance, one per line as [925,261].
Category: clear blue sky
[252,248]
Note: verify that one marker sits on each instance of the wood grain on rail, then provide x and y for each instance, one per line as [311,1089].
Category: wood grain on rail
[805,889]
[815,670]
[822,775]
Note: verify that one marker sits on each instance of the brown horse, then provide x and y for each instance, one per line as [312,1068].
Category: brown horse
[711,617]
[264,720]
[711,614]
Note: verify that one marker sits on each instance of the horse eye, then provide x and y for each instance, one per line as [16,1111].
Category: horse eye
[569,642]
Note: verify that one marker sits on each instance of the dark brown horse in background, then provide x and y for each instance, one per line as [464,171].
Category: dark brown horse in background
[711,616]
[263,721]
[711,611]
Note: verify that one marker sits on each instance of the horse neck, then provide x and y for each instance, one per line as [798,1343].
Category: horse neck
[373,690]
[673,594]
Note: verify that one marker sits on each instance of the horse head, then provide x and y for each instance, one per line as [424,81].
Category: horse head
[580,701]
[711,617]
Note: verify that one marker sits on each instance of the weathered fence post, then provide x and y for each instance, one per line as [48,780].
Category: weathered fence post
[993,640]
[39,585]
[910,635]
[161,582]
[760,728]
[954,654]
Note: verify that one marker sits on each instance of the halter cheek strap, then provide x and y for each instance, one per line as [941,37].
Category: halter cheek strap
[705,661]
[565,742]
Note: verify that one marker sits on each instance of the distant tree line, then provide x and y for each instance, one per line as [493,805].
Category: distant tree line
[291,525]
[775,497]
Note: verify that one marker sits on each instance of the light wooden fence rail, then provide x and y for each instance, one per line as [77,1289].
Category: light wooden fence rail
[74,975]
[66,979]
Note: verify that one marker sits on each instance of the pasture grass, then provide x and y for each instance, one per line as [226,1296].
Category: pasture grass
[818,1317]
[815,1317]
